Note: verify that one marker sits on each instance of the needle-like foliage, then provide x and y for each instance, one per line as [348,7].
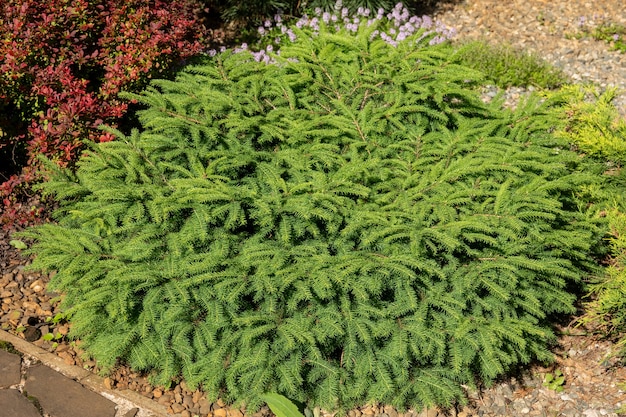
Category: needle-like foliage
[348,224]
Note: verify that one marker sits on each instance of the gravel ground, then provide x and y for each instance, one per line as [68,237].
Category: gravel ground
[593,385]
[550,29]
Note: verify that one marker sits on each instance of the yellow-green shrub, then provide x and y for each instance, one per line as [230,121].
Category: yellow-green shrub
[608,307]
[593,124]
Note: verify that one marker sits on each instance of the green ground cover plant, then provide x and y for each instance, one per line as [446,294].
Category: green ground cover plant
[348,224]
[605,30]
[555,381]
[612,33]
[506,66]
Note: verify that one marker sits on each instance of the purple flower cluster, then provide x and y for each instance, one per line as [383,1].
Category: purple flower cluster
[399,24]
[213,52]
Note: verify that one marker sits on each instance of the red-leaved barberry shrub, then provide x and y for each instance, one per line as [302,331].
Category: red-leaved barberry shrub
[62,65]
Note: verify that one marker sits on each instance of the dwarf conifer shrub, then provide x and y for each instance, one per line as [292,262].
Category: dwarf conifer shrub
[349,224]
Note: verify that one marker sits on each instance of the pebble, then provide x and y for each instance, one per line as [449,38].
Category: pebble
[368,411]
[188,401]
[235,413]
[37,285]
[205,406]
[570,412]
[197,394]
[429,412]
[165,399]
[108,383]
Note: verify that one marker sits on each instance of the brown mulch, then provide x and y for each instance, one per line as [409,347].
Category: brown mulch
[594,384]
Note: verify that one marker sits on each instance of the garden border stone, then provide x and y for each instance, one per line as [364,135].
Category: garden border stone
[63,375]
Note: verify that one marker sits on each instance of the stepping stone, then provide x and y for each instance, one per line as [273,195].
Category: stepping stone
[60,396]
[10,369]
[14,404]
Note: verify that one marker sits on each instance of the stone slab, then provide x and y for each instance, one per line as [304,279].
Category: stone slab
[60,396]
[125,399]
[10,369]
[14,404]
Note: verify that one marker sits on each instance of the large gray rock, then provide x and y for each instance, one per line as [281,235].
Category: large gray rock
[10,368]
[14,404]
[60,396]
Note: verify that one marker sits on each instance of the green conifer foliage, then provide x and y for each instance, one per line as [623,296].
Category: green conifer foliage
[349,224]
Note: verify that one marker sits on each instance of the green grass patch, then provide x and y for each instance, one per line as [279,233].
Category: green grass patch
[506,66]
